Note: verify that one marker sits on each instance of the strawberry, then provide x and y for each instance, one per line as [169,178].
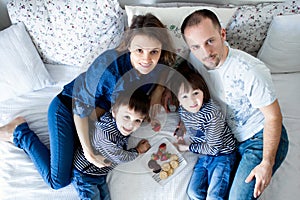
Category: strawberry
[162,147]
[154,156]
[156,127]
[159,153]
[164,157]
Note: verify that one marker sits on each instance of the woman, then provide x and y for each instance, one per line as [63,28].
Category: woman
[140,59]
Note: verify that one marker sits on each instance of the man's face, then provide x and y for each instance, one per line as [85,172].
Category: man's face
[206,42]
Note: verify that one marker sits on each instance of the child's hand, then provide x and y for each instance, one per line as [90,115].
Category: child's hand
[143,146]
[180,132]
[181,147]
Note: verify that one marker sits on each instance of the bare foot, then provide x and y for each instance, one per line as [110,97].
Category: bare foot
[6,131]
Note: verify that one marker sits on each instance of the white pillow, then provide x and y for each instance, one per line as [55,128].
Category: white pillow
[22,69]
[68,32]
[281,48]
[173,17]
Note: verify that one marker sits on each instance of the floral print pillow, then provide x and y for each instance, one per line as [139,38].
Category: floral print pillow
[249,25]
[70,32]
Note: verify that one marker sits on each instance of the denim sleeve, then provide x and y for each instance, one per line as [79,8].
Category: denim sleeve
[94,87]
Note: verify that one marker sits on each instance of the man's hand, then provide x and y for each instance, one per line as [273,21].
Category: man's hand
[262,174]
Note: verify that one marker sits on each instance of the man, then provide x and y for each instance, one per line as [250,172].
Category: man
[243,86]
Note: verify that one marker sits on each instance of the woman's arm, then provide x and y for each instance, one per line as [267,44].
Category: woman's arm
[82,127]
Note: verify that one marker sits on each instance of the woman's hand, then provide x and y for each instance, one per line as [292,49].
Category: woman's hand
[82,128]
[97,160]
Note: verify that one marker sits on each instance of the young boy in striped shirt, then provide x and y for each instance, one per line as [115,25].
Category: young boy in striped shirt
[209,135]
[110,139]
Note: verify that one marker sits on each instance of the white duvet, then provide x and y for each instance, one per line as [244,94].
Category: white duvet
[20,180]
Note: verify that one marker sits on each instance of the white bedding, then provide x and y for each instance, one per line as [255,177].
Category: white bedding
[285,183]
[17,172]
[20,180]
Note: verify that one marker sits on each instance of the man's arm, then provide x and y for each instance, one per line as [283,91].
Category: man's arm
[272,132]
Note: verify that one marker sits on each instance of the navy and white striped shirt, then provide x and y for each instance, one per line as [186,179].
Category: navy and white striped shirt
[208,130]
[108,141]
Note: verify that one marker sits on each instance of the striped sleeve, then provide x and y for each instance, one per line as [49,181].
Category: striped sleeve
[109,142]
[216,136]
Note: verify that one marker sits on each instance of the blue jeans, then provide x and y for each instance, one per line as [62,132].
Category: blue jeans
[90,187]
[54,167]
[211,177]
[250,152]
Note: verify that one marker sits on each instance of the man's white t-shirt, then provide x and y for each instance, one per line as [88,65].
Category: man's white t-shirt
[242,85]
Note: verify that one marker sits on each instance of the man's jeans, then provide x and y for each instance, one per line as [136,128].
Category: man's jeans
[250,152]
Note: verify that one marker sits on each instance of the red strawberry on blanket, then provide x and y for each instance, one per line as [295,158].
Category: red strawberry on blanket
[162,147]
[154,156]
[156,126]
[164,157]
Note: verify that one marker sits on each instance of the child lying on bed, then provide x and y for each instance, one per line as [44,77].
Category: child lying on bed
[109,138]
[209,134]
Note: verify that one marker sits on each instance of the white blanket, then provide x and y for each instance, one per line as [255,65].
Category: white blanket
[20,180]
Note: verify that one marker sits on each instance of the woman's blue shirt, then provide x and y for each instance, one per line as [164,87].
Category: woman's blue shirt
[110,73]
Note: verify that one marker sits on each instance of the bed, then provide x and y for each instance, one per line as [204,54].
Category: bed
[51,42]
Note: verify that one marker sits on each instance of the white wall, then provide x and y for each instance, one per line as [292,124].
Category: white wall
[4,19]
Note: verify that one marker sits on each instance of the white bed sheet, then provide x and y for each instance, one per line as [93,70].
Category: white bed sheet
[133,180]
[285,183]
[20,180]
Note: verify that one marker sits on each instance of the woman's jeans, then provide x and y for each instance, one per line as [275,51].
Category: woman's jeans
[211,177]
[54,167]
[90,187]
[250,152]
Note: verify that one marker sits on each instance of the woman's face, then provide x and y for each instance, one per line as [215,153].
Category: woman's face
[145,53]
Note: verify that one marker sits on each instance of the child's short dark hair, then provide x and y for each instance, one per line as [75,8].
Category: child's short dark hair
[190,78]
[138,100]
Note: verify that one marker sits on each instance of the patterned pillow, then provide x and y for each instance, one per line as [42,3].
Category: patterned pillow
[249,25]
[70,32]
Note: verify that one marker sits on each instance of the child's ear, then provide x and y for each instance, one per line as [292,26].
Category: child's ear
[113,112]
